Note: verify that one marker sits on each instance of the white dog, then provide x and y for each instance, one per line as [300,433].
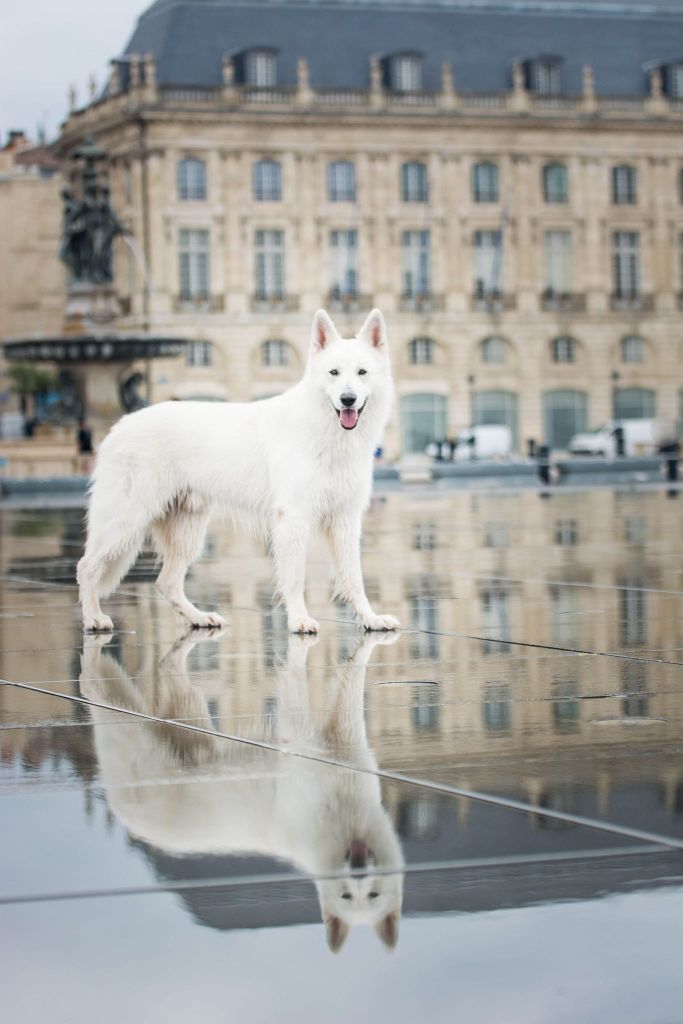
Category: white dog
[294,463]
[191,793]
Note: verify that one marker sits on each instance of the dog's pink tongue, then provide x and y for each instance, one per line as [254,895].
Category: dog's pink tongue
[349,418]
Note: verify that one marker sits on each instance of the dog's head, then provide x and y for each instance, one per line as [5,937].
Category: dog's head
[353,374]
[368,889]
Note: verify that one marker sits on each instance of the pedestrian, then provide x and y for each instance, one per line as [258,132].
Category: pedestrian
[85,447]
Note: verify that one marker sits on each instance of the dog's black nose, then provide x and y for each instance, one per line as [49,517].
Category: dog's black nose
[348,398]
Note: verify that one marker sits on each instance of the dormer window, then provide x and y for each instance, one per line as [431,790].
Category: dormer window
[672,80]
[543,76]
[260,68]
[405,72]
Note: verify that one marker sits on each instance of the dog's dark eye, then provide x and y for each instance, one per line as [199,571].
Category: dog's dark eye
[361,372]
[334,373]
[346,895]
[373,895]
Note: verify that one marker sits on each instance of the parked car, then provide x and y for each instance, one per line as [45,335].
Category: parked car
[486,441]
[641,437]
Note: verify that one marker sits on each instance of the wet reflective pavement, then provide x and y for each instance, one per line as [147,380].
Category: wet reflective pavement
[482,815]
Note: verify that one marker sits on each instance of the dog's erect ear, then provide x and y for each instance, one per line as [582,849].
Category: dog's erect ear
[323,331]
[337,932]
[387,929]
[374,330]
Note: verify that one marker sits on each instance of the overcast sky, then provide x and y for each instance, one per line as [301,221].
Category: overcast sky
[46,45]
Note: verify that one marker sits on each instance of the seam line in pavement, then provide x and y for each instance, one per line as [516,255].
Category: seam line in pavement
[426,867]
[508,803]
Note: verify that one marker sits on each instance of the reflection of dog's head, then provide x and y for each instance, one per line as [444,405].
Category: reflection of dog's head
[367,888]
[353,374]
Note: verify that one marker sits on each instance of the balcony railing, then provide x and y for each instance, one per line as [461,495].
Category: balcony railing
[563,302]
[632,302]
[348,301]
[424,302]
[186,303]
[281,303]
[492,301]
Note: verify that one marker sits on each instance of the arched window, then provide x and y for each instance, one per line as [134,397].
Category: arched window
[267,181]
[624,184]
[555,183]
[485,183]
[632,349]
[498,407]
[191,176]
[260,68]
[414,186]
[421,351]
[565,413]
[341,182]
[563,350]
[423,419]
[634,404]
[492,351]
[199,353]
[274,353]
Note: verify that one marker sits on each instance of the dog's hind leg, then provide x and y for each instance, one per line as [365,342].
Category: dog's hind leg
[109,554]
[179,537]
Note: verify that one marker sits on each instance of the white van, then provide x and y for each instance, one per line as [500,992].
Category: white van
[486,441]
[641,437]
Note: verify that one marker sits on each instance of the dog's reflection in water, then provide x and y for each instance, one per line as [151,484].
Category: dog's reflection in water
[194,792]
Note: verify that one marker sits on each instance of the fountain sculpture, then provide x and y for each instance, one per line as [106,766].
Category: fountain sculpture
[95,368]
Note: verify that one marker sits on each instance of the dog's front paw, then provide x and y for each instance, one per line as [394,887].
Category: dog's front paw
[304,624]
[380,623]
[208,620]
[98,624]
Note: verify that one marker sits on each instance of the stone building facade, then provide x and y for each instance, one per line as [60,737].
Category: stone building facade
[523,234]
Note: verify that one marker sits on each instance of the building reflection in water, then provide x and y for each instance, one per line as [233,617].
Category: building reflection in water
[592,571]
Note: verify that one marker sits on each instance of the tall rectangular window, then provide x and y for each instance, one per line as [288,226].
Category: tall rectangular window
[191,176]
[555,183]
[194,263]
[488,263]
[415,264]
[485,183]
[341,182]
[626,264]
[414,184]
[267,181]
[343,264]
[270,264]
[557,263]
[624,184]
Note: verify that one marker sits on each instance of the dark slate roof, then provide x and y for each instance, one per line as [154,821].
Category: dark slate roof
[481,38]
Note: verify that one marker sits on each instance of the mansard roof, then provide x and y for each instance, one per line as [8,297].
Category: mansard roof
[482,39]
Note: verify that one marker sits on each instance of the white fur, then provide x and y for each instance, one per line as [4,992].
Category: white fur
[194,793]
[285,462]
